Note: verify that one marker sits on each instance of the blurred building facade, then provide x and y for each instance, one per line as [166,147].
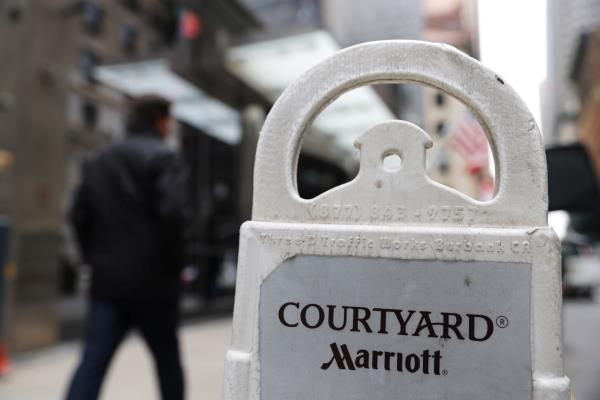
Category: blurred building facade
[53,114]
[585,75]
[32,47]
[570,95]
[351,22]
[459,157]
[567,22]
[68,93]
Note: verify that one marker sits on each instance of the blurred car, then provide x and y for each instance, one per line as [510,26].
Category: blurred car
[581,266]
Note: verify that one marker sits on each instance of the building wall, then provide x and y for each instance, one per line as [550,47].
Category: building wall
[285,15]
[11,34]
[355,21]
[566,21]
[453,22]
[445,163]
[33,49]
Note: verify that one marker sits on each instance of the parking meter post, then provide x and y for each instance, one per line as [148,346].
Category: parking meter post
[393,283]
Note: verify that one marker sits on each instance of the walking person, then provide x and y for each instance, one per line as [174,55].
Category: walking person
[127,215]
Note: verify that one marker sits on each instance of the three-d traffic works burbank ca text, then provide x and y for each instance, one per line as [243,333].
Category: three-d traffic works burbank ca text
[387,321]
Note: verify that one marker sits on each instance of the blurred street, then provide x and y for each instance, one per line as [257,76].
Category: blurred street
[44,374]
[582,330]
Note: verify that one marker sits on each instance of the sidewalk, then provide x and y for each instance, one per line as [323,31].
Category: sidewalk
[43,375]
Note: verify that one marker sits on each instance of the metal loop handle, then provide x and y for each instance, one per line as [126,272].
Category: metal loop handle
[521,182]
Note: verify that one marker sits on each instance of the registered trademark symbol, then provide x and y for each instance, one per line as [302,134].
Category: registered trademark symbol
[502,321]
[444,372]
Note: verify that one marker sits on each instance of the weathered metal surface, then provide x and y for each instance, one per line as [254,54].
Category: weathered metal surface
[511,130]
[398,240]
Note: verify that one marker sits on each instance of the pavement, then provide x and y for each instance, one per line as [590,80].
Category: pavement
[582,347]
[44,374]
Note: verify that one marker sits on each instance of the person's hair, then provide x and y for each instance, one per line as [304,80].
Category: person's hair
[145,111]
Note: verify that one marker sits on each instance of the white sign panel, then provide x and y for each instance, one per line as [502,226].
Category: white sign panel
[356,328]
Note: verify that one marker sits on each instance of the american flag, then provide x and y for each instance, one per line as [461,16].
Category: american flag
[469,140]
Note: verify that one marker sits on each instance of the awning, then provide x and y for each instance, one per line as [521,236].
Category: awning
[190,104]
[270,66]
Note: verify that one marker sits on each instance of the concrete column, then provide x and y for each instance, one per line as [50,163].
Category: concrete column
[34,39]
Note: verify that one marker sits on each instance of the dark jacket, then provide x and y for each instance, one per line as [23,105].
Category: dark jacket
[128,215]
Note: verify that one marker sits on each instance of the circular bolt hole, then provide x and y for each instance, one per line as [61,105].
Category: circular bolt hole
[392,162]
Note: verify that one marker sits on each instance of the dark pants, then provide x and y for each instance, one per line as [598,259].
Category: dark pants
[107,323]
